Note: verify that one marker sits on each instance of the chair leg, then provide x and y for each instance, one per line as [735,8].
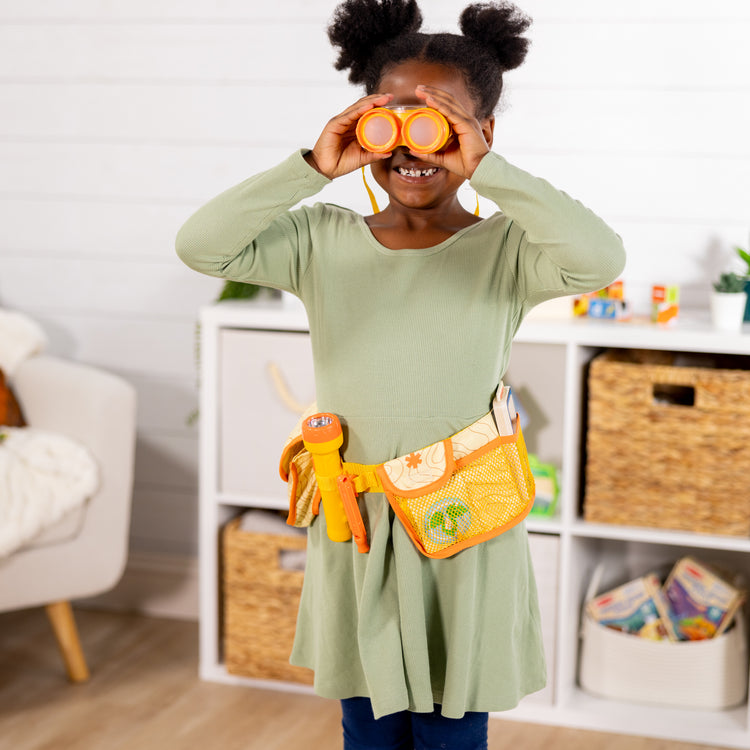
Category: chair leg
[63,623]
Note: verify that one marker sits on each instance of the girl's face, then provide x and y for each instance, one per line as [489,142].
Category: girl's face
[432,186]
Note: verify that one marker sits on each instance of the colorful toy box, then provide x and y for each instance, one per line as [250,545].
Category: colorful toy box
[607,304]
[700,604]
[665,303]
[547,487]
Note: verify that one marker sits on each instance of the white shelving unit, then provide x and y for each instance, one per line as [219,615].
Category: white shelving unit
[553,394]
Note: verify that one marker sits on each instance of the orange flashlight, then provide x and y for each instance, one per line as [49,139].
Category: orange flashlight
[322,436]
[423,130]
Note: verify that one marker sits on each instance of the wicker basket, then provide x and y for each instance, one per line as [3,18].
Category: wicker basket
[656,459]
[260,604]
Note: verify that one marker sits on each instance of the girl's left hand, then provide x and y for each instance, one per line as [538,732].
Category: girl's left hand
[470,145]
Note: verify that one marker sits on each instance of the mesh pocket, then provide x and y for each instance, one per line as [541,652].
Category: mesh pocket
[490,492]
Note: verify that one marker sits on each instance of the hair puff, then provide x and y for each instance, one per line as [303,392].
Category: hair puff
[359,27]
[499,27]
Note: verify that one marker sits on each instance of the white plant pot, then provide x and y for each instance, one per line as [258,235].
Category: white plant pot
[728,310]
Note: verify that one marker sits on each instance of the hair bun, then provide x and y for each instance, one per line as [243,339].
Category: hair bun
[360,26]
[499,27]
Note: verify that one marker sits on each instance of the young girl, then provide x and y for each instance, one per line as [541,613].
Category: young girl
[412,311]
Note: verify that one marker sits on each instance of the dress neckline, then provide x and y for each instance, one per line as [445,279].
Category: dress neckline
[414,251]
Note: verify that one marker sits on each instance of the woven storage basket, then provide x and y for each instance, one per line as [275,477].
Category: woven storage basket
[668,464]
[260,604]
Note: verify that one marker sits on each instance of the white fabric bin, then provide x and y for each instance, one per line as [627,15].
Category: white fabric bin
[709,674]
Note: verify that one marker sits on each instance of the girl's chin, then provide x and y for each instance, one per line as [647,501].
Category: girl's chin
[412,191]
[415,202]
[418,187]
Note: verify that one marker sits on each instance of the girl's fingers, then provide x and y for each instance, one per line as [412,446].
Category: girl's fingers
[463,122]
[444,103]
[470,145]
[356,110]
[337,151]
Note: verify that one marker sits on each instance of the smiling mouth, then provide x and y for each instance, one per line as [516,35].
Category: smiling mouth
[412,172]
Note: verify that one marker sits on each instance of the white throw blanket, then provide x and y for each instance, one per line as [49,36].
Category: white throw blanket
[43,476]
[20,338]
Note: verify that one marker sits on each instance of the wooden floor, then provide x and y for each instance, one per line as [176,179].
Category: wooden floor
[144,694]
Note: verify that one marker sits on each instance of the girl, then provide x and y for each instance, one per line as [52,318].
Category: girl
[412,311]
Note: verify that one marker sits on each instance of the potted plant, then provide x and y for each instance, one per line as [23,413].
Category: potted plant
[237,290]
[745,256]
[728,302]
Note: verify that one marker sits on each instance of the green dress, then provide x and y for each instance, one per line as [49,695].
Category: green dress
[408,347]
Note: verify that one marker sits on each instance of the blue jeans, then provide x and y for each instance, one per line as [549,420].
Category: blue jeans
[408,730]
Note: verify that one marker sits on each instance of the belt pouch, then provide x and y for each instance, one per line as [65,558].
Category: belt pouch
[463,490]
[296,469]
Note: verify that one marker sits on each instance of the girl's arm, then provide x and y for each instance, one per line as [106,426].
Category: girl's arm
[556,245]
[223,237]
[248,233]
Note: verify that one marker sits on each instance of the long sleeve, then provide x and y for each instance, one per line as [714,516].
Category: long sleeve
[247,233]
[555,244]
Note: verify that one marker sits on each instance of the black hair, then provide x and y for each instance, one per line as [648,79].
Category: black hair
[374,35]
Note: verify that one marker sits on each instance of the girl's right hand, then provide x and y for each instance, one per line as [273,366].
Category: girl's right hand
[337,151]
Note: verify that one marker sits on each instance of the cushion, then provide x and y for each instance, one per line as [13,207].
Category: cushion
[10,410]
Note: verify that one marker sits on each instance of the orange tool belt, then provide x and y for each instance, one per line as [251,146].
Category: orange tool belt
[451,495]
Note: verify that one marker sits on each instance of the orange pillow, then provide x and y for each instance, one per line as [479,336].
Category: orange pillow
[10,410]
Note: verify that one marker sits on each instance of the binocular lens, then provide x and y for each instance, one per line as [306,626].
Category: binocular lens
[420,129]
[380,132]
[423,132]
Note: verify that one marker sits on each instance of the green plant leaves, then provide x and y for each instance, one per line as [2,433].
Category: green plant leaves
[238,290]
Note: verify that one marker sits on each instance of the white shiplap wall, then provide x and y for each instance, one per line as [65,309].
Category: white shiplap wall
[118,119]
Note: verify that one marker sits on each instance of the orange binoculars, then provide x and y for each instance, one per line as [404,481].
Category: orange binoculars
[422,130]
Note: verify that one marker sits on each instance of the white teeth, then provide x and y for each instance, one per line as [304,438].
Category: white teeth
[417,172]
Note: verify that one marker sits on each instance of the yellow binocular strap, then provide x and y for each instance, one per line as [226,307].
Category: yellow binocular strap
[376,208]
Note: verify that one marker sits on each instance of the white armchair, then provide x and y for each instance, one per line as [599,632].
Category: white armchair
[85,553]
